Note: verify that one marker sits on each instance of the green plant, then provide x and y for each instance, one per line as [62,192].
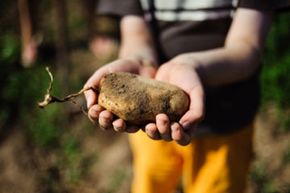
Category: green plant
[275,78]
[261,180]
[71,158]
[116,180]
[9,48]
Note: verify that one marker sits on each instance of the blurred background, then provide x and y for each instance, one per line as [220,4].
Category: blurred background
[57,149]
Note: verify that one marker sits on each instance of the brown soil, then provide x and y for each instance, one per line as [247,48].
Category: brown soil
[270,148]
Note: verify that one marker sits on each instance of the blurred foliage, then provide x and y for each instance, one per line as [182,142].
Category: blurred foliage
[63,162]
[72,157]
[275,84]
[286,156]
[262,181]
[20,90]
[275,73]
[116,180]
[9,49]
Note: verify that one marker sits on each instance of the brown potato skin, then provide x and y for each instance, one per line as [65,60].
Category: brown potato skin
[138,100]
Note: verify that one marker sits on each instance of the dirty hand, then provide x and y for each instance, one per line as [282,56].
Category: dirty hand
[98,114]
[181,72]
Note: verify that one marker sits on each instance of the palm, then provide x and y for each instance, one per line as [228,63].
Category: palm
[185,77]
[96,113]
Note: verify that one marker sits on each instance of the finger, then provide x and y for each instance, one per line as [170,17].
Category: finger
[196,109]
[163,72]
[179,135]
[105,119]
[152,131]
[94,81]
[94,113]
[91,98]
[163,126]
[119,125]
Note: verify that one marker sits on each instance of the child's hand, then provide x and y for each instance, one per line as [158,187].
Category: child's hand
[99,115]
[181,72]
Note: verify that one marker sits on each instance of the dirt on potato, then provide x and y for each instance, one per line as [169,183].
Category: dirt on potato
[138,100]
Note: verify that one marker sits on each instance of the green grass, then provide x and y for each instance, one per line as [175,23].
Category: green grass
[275,79]
[262,181]
[116,180]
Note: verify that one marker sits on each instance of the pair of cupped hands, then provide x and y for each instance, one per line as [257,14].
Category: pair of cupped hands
[179,71]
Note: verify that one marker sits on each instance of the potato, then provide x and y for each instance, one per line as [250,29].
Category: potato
[138,100]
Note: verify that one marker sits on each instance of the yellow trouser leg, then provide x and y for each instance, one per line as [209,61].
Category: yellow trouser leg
[220,163]
[212,164]
[157,166]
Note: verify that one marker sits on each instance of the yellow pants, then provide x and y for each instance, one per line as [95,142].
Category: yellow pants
[212,164]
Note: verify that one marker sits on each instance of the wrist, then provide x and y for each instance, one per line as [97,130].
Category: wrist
[142,54]
[141,60]
[190,60]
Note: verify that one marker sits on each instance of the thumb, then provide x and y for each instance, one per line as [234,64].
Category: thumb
[196,109]
[91,98]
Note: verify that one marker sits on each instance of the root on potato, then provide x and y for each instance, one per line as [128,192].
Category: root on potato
[131,97]
[49,98]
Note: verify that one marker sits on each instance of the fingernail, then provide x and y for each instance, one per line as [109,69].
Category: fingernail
[89,104]
[103,124]
[93,112]
[150,131]
[147,130]
[174,127]
[116,128]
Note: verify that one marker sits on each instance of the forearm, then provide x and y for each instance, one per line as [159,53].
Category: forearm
[240,56]
[136,41]
[226,65]
[25,22]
